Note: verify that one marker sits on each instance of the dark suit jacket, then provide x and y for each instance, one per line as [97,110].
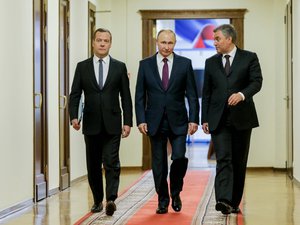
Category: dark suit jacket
[245,76]
[152,101]
[105,102]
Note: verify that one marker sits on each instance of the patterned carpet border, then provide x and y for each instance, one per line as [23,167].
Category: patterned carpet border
[206,213]
[127,204]
[143,190]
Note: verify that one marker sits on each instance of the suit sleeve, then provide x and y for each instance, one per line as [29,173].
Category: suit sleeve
[126,98]
[206,93]
[140,96]
[192,96]
[75,95]
[255,77]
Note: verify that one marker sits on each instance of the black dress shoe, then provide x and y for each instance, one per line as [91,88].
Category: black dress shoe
[176,203]
[235,210]
[97,208]
[161,209]
[223,207]
[110,208]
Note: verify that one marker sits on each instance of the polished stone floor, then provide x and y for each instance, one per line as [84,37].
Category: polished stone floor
[270,197]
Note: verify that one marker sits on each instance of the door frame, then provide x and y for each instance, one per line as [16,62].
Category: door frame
[64,127]
[40,127]
[289,89]
[149,18]
[91,27]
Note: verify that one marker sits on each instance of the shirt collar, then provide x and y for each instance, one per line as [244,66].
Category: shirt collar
[231,53]
[160,57]
[105,59]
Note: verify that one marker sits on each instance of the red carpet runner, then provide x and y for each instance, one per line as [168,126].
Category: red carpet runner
[195,184]
[137,205]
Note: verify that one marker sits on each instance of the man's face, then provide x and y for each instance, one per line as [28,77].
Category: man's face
[166,43]
[223,44]
[102,44]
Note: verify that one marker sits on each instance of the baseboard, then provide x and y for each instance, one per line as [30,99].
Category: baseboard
[78,179]
[20,206]
[262,169]
[276,170]
[131,168]
[296,182]
[16,208]
[53,191]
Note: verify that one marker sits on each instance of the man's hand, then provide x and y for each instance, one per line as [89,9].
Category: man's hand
[193,127]
[143,128]
[234,99]
[205,128]
[75,124]
[125,131]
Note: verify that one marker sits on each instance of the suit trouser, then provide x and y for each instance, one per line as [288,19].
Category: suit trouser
[160,162]
[103,149]
[231,148]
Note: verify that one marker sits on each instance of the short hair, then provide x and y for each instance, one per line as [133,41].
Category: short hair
[165,30]
[102,30]
[227,30]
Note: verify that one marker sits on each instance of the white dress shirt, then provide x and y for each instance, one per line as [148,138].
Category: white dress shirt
[232,55]
[105,63]
[160,63]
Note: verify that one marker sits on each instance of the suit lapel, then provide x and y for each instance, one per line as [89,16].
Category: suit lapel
[91,72]
[219,64]
[157,77]
[110,71]
[175,67]
[236,61]
[153,66]
[234,64]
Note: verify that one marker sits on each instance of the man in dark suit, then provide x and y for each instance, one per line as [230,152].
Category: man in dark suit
[231,78]
[163,82]
[103,80]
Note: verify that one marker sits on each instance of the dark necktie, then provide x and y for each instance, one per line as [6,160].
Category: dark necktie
[100,73]
[227,64]
[165,74]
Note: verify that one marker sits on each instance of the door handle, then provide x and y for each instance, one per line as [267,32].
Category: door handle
[40,101]
[287,99]
[65,102]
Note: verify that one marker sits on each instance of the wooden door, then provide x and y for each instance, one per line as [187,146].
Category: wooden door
[64,147]
[40,97]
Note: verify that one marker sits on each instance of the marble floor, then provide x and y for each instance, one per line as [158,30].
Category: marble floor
[270,197]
